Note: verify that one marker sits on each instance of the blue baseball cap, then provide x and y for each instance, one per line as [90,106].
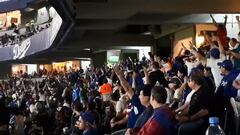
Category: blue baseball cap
[88,117]
[227,64]
[215,53]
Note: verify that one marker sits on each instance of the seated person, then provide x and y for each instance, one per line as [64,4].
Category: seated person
[193,118]
[162,122]
[145,93]
[86,123]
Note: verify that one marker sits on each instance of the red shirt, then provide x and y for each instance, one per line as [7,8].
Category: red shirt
[222,34]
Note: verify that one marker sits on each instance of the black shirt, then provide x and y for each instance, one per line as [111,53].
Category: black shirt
[199,100]
[157,76]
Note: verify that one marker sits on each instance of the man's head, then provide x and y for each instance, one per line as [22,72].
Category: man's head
[187,52]
[233,42]
[196,79]
[145,93]
[105,80]
[181,73]
[225,67]
[207,71]
[155,65]
[86,121]
[158,96]
[77,107]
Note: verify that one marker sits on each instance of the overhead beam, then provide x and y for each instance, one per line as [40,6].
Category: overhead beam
[123,9]
[101,40]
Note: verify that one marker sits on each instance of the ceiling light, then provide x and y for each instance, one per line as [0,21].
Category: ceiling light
[147,33]
[28,9]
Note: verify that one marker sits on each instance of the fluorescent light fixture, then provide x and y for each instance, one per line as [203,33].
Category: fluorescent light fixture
[28,9]
[4,1]
[147,33]
[87,49]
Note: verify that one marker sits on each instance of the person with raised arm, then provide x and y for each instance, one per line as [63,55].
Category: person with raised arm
[221,31]
[136,108]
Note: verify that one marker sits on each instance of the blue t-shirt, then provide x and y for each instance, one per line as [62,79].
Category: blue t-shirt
[143,118]
[226,85]
[136,108]
[75,94]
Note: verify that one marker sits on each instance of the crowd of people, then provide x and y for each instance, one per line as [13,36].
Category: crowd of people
[15,37]
[145,97]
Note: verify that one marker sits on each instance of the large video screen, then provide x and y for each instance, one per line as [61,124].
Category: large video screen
[40,40]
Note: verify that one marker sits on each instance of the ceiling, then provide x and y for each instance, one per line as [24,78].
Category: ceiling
[100,24]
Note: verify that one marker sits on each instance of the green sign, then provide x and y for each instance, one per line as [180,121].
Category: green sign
[113,59]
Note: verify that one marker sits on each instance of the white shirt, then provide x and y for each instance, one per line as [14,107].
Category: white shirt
[189,96]
[212,63]
[42,97]
[121,104]
[233,48]
[191,65]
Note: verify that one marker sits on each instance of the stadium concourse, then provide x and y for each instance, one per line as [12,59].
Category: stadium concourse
[103,67]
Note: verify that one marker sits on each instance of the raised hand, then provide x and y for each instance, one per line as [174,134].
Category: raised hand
[191,44]
[237,18]
[225,17]
[211,16]
[183,46]
[117,70]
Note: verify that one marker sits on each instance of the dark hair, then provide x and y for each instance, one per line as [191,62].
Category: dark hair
[234,40]
[197,79]
[183,71]
[78,106]
[208,69]
[165,59]
[159,94]
[200,67]
[115,96]
[122,91]
[201,52]
[105,80]
[197,76]
[196,71]
[91,105]
[187,52]
[215,43]
[155,65]
[146,89]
